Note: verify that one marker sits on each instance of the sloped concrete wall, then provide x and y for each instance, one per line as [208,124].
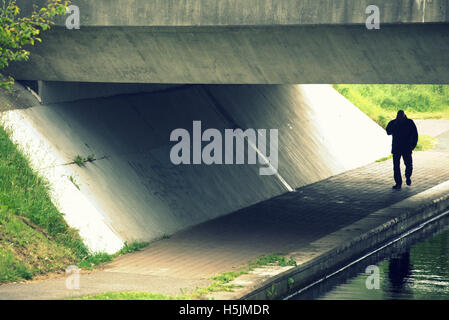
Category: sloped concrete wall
[133,191]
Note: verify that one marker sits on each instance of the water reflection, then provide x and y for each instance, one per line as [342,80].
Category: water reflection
[399,275]
[414,268]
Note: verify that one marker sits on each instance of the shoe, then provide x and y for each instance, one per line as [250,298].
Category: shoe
[397,187]
[408,181]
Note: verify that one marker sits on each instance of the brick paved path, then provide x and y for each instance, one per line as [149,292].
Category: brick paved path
[282,224]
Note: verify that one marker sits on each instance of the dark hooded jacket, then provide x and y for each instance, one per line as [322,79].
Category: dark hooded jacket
[405,135]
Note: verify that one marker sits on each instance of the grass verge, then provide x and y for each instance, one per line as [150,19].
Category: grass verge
[97,259]
[382,101]
[34,237]
[222,282]
[131,296]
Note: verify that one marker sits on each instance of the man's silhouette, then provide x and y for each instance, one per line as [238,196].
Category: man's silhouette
[405,138]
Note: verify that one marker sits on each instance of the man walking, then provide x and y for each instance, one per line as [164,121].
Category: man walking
[405,138]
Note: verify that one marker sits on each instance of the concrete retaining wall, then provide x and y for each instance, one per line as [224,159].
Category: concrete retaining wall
[139,194]
[250,12]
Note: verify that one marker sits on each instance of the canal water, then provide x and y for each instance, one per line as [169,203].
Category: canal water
[416,267]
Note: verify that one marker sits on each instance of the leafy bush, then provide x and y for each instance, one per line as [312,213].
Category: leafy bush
[16,32]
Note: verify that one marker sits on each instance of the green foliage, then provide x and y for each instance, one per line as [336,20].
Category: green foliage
[73,181]
[34,237]
[32,229]
[385,158]
[131,296]
[425,142]
[382,101]
[222,281]
[95,260]
[90,158]
[11,269]
[291,262]
[17,32]
[79,160]
[27,250]
[24,192]
[271,292]
[134,246]
[98,258]
[273,259]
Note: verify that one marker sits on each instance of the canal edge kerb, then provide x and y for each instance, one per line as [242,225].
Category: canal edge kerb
[394,220]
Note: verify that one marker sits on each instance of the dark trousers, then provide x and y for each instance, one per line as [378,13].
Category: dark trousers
[407,156]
